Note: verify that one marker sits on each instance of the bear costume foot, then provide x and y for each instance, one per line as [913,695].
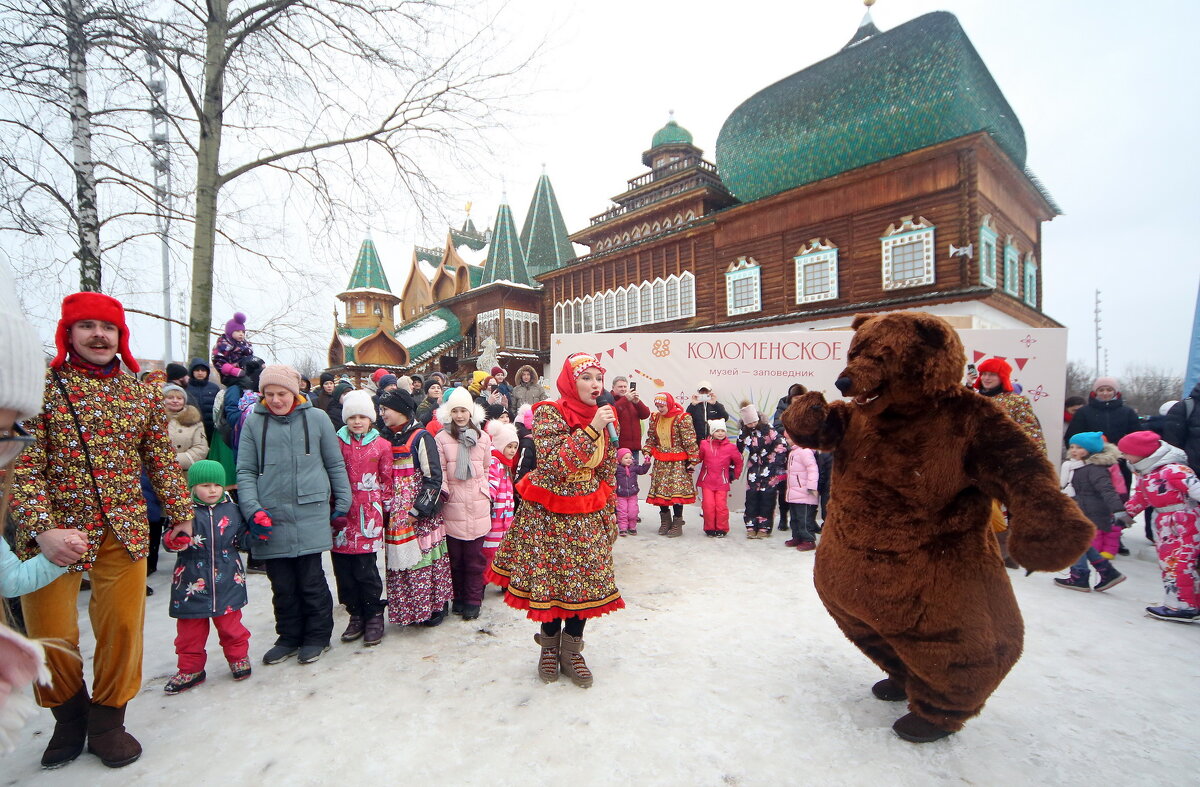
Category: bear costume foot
[889,690]
[914,729]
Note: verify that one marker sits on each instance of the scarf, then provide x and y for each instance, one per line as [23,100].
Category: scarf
[673,407]
[467,439]
[574,410]
[110,369]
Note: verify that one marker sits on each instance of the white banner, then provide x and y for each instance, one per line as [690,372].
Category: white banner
[759,367]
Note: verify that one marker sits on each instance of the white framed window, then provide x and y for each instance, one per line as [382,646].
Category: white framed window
[360,307]
[816,272]
[577,316]
[672,298]
[619,309]
[558,322]
[1012,264]
[743,293]
[908,254]
[687,295]
[987,251]
[610,310]
[589,323]
[658,311]
[1031,281]
[646,299]
[631,305]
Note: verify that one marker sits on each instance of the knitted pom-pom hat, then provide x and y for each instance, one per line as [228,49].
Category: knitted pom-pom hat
[502,434]
[459,397]
[238,323]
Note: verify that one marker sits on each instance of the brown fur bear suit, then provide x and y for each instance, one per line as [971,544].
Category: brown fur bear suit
[908,566]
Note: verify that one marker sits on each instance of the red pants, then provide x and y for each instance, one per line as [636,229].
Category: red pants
[715,505]
[192,635]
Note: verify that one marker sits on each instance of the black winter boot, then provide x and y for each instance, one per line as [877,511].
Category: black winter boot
[1109,576]
[70,730]
[1076,581]
[107,738]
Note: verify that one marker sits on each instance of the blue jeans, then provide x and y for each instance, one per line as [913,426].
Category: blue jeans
[803,518]
[1081,565]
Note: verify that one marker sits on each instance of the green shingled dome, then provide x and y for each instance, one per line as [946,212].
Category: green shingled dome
[914,86]
[671,134]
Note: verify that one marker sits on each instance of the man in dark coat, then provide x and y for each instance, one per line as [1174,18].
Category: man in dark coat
[705,408]
[204,391]
[1183,427]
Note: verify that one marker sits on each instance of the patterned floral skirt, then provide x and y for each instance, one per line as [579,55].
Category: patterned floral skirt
[671,484]
[557,566]
[416,593]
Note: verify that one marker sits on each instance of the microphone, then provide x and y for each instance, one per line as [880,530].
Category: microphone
[606,398]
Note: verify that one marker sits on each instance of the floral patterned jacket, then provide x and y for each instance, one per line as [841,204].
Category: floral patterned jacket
[766,457]
[125,429]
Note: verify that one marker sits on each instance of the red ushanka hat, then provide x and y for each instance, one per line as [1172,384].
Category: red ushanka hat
[92,306]
[997,367]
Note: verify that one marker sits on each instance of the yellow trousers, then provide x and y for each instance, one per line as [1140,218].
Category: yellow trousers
[117,609]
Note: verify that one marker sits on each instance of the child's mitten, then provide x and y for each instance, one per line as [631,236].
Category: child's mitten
[260,525]
[176,541]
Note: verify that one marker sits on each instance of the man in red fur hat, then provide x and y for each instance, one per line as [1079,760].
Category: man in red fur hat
[99,429]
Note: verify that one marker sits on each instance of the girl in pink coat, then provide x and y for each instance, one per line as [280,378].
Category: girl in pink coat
[500,483]
[802,478]
[720,466]
[465,450]
[358,536]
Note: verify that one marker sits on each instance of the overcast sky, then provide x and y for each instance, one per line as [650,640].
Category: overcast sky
[1105,92]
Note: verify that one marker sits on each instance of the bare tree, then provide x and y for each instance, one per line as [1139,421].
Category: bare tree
[325,94]
[1079,379]
[1145,388]
[62,151]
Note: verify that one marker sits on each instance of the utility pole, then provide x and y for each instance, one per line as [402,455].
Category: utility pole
[1099,371]
[160,145]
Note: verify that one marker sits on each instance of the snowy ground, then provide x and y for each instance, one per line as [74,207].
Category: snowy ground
[724,669]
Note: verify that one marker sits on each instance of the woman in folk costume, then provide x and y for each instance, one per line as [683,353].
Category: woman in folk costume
[556,559]
[671,440]
[418,579]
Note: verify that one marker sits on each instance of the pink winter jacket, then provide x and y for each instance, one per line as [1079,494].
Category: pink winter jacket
[369,468]
[802,475]
[468,509]
[720,464]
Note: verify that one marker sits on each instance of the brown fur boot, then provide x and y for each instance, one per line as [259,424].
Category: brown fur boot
[548,661]
[676,529]
[70,730]
[571,661]
[665,522]
[914,729]
[107,738]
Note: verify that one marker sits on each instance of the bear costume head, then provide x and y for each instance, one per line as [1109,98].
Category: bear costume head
[900,361]
[908,564]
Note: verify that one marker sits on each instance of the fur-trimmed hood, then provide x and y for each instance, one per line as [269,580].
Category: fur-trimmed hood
[1166,454]
[188,416]
[1106,458]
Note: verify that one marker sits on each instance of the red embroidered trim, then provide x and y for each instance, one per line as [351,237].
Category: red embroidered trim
[564,504]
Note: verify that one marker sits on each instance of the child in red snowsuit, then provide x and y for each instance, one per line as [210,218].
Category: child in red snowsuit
[1166,484]
[720,466]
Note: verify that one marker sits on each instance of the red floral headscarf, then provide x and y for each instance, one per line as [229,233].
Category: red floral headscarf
[673,407]
[577,413]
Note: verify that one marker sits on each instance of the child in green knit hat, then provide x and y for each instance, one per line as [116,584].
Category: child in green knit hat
[209,582]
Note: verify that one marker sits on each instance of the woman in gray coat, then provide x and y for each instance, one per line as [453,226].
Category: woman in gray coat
[289,466]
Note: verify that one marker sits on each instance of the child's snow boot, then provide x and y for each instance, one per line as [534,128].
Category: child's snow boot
[354,630]
[240,669]
[548,660]
[1076,581]
[571,660]
[373,630]
[1109,576]
[1187,615]
[664,522]
[182,681]
[676,528]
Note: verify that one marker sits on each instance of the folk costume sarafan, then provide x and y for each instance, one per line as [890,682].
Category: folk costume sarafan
[671,440]
[556,560]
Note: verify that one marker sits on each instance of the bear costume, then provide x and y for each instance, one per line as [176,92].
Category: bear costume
[908,566]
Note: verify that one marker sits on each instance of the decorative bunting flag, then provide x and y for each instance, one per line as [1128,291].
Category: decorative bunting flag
[978,355]
[1020,362]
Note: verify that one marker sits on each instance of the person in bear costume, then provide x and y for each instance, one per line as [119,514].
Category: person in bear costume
[907,566]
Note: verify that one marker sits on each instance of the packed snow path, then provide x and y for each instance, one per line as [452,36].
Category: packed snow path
[724,669]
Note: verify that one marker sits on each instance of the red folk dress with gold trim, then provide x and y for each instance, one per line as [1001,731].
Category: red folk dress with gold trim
[556,559]
[671,440]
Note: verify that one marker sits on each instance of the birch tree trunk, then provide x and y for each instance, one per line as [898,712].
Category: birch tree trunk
[88,219]
[208,177]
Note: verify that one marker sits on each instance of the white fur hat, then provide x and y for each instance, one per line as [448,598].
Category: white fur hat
[21,355]
[502,434]
[404,383]
[717,423]
[459,397]
[358,403]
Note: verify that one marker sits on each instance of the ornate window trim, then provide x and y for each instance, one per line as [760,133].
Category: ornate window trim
[988,247]
[739,272]
[909,232]
[1031,282]
[811,257]
[1012,261]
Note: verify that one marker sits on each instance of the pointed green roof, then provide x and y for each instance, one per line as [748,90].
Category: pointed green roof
[505,259]
[544,236]
[368,271]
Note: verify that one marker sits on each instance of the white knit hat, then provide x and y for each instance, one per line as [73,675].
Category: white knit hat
[717,423]
[459,397]
[502,434]
[357,403]
[22,360]
[749,413]
[404,383]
